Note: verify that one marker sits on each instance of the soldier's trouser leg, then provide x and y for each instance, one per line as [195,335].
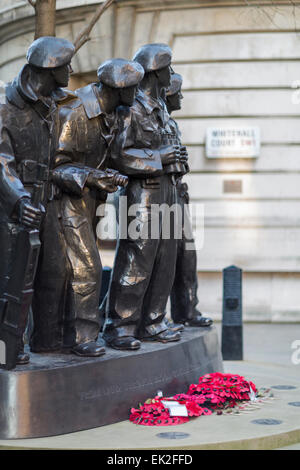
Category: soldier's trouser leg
[184,291]
[134,259]
[131,274]
[138,260]
[163,272]
[50,285]
[82,319]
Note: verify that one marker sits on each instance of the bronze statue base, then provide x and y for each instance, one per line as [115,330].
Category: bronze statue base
[58,394]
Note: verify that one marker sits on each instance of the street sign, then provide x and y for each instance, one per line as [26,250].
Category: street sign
[232,142]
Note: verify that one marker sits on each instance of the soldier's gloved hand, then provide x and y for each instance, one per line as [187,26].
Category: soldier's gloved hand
[183,154]
[102,180]
[170,154]
[27,214]
[119,180]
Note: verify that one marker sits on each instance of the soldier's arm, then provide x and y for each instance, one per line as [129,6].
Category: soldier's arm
[70,177]
[125,155]
[11,187]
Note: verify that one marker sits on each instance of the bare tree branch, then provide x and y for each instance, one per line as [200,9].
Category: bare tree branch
[32,3]
[84,35]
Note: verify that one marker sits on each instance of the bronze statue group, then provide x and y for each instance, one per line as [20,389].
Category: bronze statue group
[61,152]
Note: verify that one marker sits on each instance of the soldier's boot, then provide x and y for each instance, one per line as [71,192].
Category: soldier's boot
[174,326]
[199,320]
[124,343]
[166,336]
[89,349]
[23,357]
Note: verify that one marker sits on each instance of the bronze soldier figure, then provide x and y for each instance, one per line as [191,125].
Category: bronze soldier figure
[184,291]
[144,267]
[87,130]
[28,125]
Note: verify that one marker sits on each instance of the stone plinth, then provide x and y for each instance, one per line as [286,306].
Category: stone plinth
[59,394]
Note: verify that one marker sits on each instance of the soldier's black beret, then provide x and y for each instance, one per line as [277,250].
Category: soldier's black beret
[153,56]
[49,52]
[120,73]
[175,86]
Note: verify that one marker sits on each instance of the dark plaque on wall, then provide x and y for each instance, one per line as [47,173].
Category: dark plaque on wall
[232,324]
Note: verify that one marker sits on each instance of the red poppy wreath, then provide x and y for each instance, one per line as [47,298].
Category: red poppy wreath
[214,392]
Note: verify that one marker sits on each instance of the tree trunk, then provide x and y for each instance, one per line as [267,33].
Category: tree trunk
[45,18]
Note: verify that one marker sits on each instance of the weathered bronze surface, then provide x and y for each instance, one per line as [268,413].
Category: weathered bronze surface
[87,130]
[60,154]
[144,267]
[28,126]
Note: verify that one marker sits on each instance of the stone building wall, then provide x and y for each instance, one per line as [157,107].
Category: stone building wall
[239,64]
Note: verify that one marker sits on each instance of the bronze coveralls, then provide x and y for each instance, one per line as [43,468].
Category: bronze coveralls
[144,268]
[83,144]
[28,137]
